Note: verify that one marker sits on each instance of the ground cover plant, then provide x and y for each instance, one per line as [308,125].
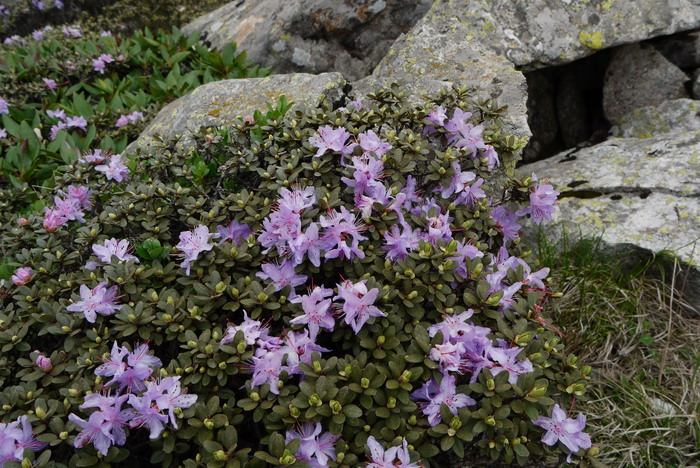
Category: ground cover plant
[326,287]
[636,330]
[22,17]
[64,91]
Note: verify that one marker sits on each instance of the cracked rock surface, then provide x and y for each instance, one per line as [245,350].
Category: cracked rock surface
[644,191]
[312,36]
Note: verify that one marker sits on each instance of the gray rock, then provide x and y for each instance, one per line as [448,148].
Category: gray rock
[541,114]
[632,190]
[572,111]
[677,116]
[312,36]
[540,33]
[221,102]
[439,52]
[696,84]
[683,50]
[640,76]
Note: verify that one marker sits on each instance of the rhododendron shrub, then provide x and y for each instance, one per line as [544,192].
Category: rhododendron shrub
[332,287]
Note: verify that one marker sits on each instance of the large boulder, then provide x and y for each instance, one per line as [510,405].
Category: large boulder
[312,36]
[219,103]
[539,33]
[642,191]
[439,52]
[678,116]
[640,76]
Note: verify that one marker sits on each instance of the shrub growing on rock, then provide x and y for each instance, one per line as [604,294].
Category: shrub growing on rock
[335,287]
[64,91]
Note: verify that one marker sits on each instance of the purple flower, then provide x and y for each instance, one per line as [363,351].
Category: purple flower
[542,200]
[366,171]
[506,360]
[134,116]
[76,122]
[490,157]
[14,440]
[104,427]
[339,227]
[99,300]
[106,58]
[234,232]
[565,430]
[252,331]
[400,243]
[266,369]
[381,458]
[69,208]
[448,356]
[464,251]
[53,220]
[58,4]
[458,181]
[297,200]
[282,275]
[192,243]
[331,139]
[439,228]
[436,394]
[298,347]
[471,194]
[59,114]
[4,107]
[506,221]
[437,116]
[130,374]
[43,362]
[316,309]
[3,133]
[82,194]
[22,276]
[95,156]
[39,4]
[115,169]
[309,243]
[71,31]
[51,84]
[11,40]
[315,448]
[280,228]
[370,142]
[457,123]
[168,396]
[99,65]
[114,248]
[121,121]
[147,413]
[38,35]
[358,305]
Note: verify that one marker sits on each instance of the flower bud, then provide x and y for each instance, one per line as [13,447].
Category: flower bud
[219,455]
[43,363]
[491,421]
[255,396]
[523,338]
[366,428]
[456,423]
[405,376]
[391,404]
[364,383]
[412,420]
[491,384]
[26,463]
[192,344]
[287,458]
[336,407]
[585,370]
[571,361]
[317,367]
[593,451]
[538,392]
[240,347]
[340,457]
[492,444]
[294,411]
[381,340]
[262,297]
[315,400]
[6,407]
[220,287]
[63,435]
[209,424]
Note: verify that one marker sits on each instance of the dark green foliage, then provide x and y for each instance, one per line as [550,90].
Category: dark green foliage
[359,389]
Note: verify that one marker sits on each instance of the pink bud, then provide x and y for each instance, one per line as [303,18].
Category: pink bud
[23,221]
[22,276]
[249,118]
[43,363]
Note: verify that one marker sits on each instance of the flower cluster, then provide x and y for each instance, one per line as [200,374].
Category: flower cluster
[68,206]
[14,438]
[129,118]
[152,402]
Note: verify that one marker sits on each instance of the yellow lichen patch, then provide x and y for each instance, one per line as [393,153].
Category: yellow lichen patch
[607,5]
[592,40]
